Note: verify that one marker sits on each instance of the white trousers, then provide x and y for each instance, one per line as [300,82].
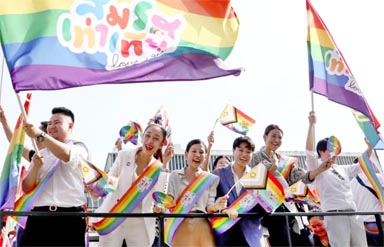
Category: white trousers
[345,231]
[134,232]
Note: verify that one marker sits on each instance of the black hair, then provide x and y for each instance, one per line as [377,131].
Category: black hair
[244,139]
[65,111]
[217,160]
[271,127]
[44,125]
[193,142]
[321,146]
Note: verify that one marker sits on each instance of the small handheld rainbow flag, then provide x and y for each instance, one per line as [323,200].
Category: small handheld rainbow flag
[273,196]
[256,178]
[236,120]
[131,132]
[369,170]
[333,146]
[301,193]
[165,200]
[286,163]
[97,180]
[162,116]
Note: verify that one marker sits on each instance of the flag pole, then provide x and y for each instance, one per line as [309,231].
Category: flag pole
[25,120]
[313,109]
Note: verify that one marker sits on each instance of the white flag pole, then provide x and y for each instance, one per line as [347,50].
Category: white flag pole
[26,120]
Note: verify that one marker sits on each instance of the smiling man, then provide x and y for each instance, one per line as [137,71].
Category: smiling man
[62,189]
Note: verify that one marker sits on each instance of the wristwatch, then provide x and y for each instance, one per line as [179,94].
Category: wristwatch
[41,137]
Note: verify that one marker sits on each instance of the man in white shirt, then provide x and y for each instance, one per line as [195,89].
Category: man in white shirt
[335,192]
[63,191]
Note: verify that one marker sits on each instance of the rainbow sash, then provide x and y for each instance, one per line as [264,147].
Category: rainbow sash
[132,197]
[26,202]
[185,202]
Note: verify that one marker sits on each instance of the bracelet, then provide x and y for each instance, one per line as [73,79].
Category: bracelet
[165,169]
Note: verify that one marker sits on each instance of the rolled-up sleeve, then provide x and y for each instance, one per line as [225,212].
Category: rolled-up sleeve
[78,152]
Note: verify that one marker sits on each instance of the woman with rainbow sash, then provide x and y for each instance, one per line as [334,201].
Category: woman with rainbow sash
[140,174]
[195,191]
[287,172]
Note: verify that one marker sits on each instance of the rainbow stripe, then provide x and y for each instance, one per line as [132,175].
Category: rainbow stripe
[185,202]
[115,41]
[10,173]
[330,76]
[273,196]
[367,167]
[132,197]
[243,204]
[236,120]
[371,229]
[26,202]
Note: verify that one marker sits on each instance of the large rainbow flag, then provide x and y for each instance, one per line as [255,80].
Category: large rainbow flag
[51,44]
[9,178]
[330,76]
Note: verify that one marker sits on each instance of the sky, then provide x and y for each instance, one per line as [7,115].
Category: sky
[273,88]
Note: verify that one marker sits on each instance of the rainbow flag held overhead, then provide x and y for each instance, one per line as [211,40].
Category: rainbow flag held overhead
[236,120]
[131,133]
[330,76]
[369,170]
[161,116]
[51,45]
[9,179]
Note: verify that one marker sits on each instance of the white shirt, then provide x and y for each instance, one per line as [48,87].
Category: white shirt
[364,199]
[334,184]
[124,167]
[65,188]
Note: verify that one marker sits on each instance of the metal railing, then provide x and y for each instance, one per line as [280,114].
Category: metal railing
[162,217]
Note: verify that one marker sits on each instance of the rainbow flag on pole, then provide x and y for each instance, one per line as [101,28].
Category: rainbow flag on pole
[330,76]
[50,45]
[10,174]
